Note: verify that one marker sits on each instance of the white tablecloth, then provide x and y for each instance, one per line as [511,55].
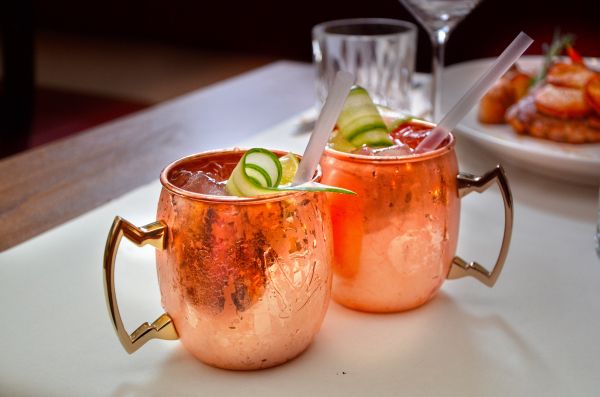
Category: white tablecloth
[535,333]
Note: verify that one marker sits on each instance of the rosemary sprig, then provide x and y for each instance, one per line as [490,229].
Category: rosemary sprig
[559,43]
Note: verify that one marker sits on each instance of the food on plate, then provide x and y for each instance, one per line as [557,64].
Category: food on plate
[525,118]
[562,103]
[504,93]
[569,74]
[592,92]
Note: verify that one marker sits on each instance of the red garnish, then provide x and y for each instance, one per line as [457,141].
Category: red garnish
[574,55]
[410,134]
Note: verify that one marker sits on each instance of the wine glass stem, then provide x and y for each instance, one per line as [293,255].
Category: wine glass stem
[438,41]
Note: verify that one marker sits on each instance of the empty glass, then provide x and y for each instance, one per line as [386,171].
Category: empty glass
[379,52]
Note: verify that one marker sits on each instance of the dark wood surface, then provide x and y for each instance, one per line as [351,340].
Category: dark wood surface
[44,187]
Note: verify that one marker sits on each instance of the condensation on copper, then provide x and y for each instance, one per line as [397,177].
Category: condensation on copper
[251,282]
[401,230]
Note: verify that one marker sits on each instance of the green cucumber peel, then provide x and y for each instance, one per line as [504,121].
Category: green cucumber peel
[254,173]
[363,128]
[360,122]
[315,187]
[396,123]
[373,138]
[253,157]
[338,142]
[259,175]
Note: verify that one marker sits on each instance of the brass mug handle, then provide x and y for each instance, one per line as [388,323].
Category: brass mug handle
[466,184]
[155,235]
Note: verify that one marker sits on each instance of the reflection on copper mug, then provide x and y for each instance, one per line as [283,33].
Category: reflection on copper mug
[395,241]
[245,282]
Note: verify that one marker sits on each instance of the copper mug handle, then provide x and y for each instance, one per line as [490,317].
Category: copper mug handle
[466,184]
[155,235]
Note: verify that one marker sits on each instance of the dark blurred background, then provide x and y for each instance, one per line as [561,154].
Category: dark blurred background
[69,65]
[282,28]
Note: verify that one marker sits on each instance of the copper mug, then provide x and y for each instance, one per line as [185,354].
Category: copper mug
[395,241]
[245,282]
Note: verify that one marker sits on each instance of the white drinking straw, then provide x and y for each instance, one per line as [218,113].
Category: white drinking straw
[462,107]
[323,127]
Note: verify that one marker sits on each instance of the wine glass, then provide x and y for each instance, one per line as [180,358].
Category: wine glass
[438,17]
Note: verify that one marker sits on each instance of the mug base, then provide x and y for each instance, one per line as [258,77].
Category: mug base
[249,365]
[381,307]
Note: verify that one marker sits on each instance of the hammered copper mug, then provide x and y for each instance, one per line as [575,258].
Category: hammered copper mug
[245,281]
[395,241]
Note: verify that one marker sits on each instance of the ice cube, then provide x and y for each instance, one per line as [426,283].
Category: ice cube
[396,150]
[412,136]
[364,151]
[200,182]
[215,170]
[180,177]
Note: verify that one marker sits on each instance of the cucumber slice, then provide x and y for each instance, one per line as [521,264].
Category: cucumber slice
[254,174]
[393,124]
[339,143]
[360,122]
[316,187]
[373,138]
[265,163]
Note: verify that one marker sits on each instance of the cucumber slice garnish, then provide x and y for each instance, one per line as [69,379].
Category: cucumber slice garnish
[360,122]
[257,171]
[398,122]
[264,163]
[338,142]
[258,168]
[316,187]
[373,138]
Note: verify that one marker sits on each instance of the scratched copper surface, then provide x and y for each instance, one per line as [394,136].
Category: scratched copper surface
[247,283]
[394,241]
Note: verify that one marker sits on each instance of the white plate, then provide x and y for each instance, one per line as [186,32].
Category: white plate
[575,163]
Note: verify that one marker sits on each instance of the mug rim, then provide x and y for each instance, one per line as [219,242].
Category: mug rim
[319,29]
[164,180]
[411,158]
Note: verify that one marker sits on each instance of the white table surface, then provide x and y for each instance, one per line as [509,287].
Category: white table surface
[535,333]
